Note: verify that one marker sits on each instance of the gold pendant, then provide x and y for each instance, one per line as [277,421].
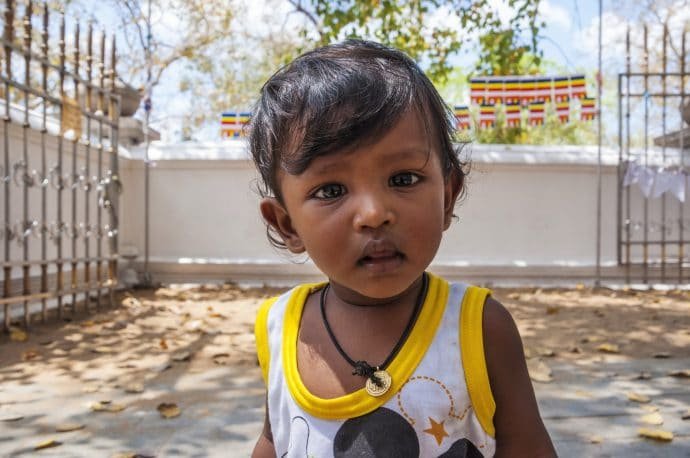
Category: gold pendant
[375,390]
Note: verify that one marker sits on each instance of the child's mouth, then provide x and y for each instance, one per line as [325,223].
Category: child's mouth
[382,261]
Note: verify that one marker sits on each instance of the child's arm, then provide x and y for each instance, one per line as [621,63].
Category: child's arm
[519,427]
[264,446]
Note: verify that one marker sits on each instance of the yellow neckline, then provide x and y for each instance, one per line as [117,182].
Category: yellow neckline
[401,368]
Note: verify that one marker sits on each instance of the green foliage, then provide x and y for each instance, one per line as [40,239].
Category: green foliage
[430,31]
[504,55]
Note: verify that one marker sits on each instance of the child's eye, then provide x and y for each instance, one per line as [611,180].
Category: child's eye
[330,191]
[404,179]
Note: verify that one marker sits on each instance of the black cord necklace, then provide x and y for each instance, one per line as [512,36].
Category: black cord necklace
[378,380]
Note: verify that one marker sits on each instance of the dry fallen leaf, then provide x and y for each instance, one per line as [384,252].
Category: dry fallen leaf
[642,376]
[552,309]
[10,416]
[107,406]
[662,355]
[653,418]
[608,348]
[539,371]
[169,410]
[685,373]
[591,339]
[182,356]
[18,335]
[87,323]
[514,296]
[163,344]
[656,434]
[649,408]
[596,439]
[47,444]
[134,388]
[67,427]
[685,415]
[546,352]
[90,388]
[637,397]
[29,355]
[221,358]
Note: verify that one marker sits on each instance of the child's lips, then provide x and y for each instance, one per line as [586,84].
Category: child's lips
[381,255]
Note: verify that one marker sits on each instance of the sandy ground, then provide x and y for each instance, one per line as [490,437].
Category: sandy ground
[150,333]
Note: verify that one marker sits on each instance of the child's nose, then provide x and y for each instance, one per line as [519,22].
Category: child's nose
[372,211]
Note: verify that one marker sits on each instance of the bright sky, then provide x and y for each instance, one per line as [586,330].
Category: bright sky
[569,41]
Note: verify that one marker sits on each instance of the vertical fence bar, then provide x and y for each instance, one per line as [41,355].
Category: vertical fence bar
[621,174]
[99,215]
[645,204]
[75,178]
[8,36]
[60,184]
[44,182]
[114,114]
[628,217]
[681,225]
[663,154]
[87,174]
[26,224]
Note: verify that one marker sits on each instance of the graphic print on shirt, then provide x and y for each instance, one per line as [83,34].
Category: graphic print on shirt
[299,438]
[382,432]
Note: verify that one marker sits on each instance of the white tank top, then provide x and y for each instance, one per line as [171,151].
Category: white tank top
[439,403]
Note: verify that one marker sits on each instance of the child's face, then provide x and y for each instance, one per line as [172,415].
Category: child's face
[370,219]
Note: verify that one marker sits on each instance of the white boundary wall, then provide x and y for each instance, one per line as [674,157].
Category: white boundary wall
[529,217]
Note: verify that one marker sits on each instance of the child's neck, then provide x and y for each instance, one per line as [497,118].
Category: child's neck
[343,296]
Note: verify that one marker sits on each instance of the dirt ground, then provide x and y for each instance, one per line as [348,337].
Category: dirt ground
[213,324]
[191,349]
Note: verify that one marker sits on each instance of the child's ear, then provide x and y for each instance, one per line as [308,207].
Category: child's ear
[278,218]
[453,187]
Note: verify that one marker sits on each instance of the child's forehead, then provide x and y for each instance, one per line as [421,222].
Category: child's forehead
[408,139]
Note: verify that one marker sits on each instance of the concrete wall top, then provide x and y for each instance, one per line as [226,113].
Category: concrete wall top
[585,155]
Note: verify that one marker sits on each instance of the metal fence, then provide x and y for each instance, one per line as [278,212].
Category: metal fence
[59,165]
[654,144]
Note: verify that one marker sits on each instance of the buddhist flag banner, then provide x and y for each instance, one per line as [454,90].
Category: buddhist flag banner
[561,89]
[513,112]
[588,109]
[244,118]
[578,88]
[487,115]
[526,89]
[563,111]
[478,90]
[462,117]
[232,124]
[536,113]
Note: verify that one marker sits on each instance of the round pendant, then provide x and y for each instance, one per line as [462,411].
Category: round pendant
[375,390]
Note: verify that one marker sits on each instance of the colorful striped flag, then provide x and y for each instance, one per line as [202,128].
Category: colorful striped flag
[588,109]
[536,113]
[462,117]
[563,111]
[487,115]
[578,87]
[513,112]
[232,123]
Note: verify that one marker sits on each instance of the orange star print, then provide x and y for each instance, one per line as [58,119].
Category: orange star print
[437,430]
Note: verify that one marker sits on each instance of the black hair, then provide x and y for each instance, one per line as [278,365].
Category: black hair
[336,98]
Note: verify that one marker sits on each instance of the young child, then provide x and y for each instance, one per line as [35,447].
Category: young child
[354,147]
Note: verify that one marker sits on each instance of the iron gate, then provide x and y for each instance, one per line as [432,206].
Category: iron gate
[59,165]
[653,201]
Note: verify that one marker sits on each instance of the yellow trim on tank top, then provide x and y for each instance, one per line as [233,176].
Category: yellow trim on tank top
[261,336]
[402,367]
[473,358]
